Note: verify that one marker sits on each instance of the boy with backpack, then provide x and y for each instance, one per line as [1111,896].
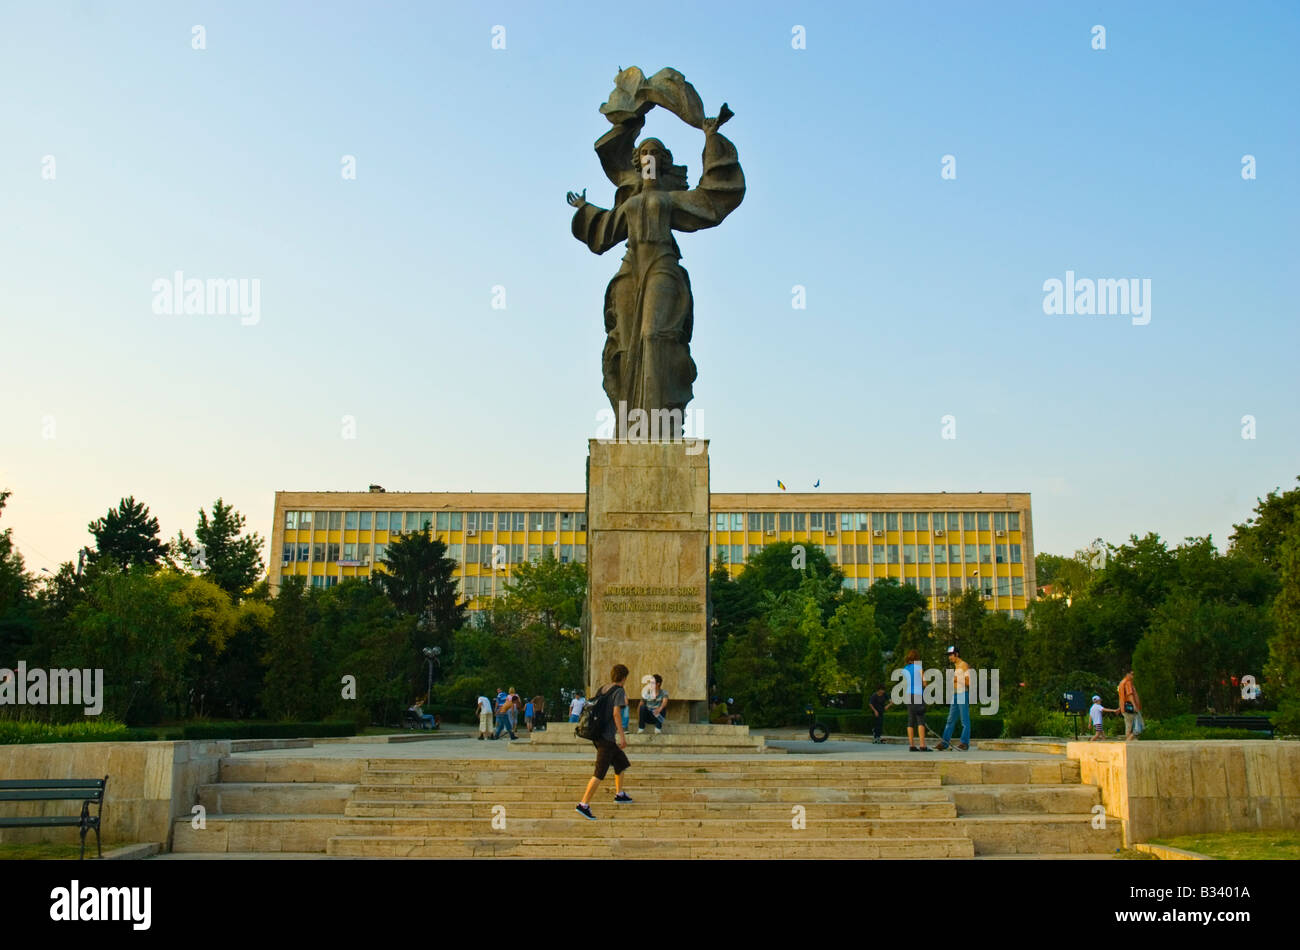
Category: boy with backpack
[601,718]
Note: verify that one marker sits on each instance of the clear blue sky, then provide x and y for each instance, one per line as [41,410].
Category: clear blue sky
[924,295]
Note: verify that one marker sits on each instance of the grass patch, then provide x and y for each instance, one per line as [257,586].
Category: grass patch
[1240,845]
[41,851]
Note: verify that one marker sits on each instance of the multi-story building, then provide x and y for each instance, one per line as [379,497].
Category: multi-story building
[942,543]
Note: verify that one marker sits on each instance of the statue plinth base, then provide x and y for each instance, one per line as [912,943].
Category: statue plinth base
[648,569]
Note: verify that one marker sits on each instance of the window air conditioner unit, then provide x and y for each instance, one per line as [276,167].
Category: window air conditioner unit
[938,532]
[770,532]
[1002,534]
[485,564]
[830,532]
[986,596]
[878,533]
[471,532]
[941,598]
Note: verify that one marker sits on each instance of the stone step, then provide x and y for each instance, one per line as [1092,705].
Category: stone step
[564,730]
[275,798]
[673,741]
[254,768]
[1024,772]
[766,811]
[1024,799]
[272,833]
[523,782]
[1041,834]
[570,792]
[649,848]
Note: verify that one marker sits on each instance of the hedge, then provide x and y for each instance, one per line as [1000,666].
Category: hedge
[268,730]
[895,724]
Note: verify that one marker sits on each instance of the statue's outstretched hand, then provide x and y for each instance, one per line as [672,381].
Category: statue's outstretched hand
[712,125]
[577,200]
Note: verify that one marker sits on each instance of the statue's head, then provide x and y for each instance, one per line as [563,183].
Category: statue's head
[652,160]
[654,164]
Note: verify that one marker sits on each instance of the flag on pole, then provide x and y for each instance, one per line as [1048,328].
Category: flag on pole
[780,484]
[817,484]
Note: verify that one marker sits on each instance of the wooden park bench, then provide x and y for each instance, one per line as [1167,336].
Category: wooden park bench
[1253,723]
[86,791]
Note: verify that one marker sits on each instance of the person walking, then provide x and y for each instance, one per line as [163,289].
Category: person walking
[960,702]
[575,707]
[878,703]
[513,710]
[613,700]
[654,707]
[1094,715]
[915,701]
[505,703]
[484,710]
[1130,707]
[528,716]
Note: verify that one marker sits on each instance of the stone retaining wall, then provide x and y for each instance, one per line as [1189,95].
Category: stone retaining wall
[149,785]
[1164,789]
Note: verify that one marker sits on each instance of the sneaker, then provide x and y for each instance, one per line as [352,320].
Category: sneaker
[585,811]
[658,731]
[480,738]
[926,748]
[639,731]
[962,746]
[943,747]
[622,797]
[913,748]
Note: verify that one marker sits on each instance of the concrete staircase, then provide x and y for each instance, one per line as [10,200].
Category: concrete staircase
[698,808]
[676,739]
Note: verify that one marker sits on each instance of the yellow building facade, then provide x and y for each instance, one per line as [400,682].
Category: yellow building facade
[942,543]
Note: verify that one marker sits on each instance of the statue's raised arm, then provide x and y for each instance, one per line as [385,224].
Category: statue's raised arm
[649,310]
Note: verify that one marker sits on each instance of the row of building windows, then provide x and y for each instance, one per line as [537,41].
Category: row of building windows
[437,520]
[484,554]
[723,521]
[868,521]
[890,553]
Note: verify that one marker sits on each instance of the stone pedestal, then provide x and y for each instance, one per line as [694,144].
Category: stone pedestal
[648,569]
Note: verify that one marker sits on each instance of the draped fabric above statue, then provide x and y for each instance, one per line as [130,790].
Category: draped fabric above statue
[649,310]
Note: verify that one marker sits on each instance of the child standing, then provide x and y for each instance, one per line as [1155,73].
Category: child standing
[1095,715]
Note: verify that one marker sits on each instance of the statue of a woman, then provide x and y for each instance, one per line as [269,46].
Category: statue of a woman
[649,314]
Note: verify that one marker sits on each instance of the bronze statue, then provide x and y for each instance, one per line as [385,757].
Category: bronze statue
[649,310]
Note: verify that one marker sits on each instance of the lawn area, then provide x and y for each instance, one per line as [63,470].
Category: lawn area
[45,852]
[1240,845]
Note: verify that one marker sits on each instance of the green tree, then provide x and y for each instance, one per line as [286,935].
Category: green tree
[127,536]
[1283,671]
[420,580]
[138,626]
[293,671]
[224,555]
[1262,536]
[861,651]
[893,603]
[548,592]
[18,608]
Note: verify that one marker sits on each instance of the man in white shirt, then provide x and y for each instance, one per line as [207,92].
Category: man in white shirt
[484,710]
[575,707]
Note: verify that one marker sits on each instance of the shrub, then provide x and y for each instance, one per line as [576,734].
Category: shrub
[268,730]
[15,732]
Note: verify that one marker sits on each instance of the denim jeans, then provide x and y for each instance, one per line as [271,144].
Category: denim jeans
[503,722]
[960,706]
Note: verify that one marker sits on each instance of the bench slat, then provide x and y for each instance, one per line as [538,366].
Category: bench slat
[46,822]
[49,795]
[52,783]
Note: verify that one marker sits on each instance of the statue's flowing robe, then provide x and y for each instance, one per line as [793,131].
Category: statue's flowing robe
[648,305]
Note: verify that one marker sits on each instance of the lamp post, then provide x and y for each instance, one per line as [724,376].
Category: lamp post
[430,657]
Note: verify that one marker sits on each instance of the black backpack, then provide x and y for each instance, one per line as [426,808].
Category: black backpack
[591,722]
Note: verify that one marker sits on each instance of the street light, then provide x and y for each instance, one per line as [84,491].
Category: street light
[431,655]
